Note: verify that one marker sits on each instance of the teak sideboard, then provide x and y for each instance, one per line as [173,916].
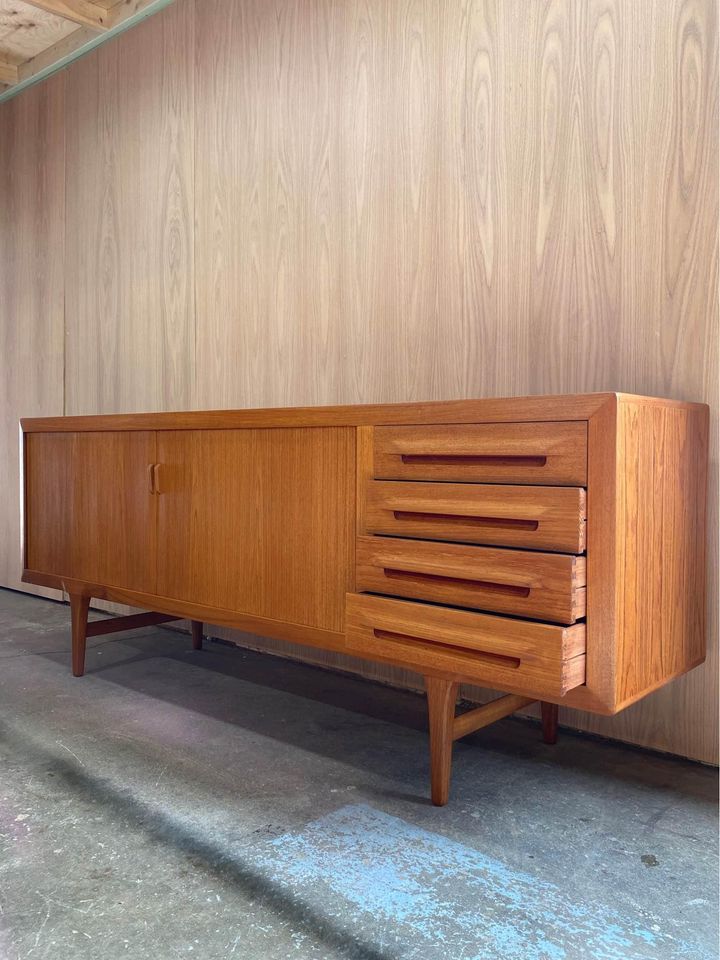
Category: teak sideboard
[552,548]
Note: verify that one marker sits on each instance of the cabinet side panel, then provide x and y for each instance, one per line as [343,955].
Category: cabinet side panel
[600,692]
[662,475]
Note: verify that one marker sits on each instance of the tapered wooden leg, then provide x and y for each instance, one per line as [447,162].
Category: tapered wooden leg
[441,697]
[549,712]
[197,634]
[78,614]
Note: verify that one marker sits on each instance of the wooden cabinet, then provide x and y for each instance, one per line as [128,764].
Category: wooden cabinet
[552,548]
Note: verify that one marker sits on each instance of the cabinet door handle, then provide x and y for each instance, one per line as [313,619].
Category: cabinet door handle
[151,477]
[156,478]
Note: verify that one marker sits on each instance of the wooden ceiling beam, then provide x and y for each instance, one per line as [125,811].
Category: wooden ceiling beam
[83,12]
[118,17]
[8,72]
[77,40]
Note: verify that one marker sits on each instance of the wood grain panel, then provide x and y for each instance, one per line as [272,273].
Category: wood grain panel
[32,210]
[391,255]
[281,546]
[129,273]
[561,181]
[483,127]
[674,602]
[90,511]
[399,201]
[268,230]
[665,142]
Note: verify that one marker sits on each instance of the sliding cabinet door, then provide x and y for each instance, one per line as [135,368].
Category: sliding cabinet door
[258,521]
[90,512]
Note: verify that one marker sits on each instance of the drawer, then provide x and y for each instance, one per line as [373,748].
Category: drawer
[543,453]
[520,656]
[542,518]
[548,586]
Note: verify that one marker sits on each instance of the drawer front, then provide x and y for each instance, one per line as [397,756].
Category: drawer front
[537,659]
[541,518]
[542,453]
[549,586]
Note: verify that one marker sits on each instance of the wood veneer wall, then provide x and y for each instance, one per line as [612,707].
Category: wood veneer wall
[32,229]
[331,201]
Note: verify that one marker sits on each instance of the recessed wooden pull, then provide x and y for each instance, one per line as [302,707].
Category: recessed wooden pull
[441,579]
[445,518]
[497,659]
[151,477]
[476,460]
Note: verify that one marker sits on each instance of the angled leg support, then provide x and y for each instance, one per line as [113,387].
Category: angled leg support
[81,629]
[488,713]
[441,697]
[445,727]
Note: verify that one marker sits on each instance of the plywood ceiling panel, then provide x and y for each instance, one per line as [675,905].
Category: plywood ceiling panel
[39,37]
[25,31]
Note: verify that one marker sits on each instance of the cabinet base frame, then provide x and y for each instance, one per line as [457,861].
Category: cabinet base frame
[81,629]
[445,727]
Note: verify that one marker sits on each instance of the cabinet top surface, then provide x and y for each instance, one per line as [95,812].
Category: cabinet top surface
[506,409]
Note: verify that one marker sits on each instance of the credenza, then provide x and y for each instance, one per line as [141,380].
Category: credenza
[549,548]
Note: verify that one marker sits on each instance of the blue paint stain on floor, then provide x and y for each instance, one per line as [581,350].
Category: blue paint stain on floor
[417,895]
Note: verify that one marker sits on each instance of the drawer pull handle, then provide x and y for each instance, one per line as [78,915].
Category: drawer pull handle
[477,460]
[507,588]
[404,639]
[502,522]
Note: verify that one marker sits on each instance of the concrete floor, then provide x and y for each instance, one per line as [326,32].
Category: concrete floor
[226,804]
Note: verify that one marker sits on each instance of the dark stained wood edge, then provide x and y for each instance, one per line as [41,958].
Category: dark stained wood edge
[522,409]
[364,469]
[98,628]
[488,713]
[23,500]
[79,606]
[549,715]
